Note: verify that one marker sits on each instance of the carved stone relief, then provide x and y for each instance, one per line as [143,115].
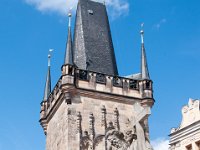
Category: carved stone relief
[114,138]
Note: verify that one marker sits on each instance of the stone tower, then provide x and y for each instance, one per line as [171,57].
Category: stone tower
[91,106]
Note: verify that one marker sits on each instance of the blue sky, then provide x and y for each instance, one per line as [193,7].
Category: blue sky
[29,28]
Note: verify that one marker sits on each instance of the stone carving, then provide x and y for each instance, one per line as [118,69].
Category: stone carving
[133,137]
[116,119]
[130,132]
[190,113]
[85,141]
[88,140]
[78,123]
[98,139]
[103,120]
[118,140]
[91,126]
[88,144]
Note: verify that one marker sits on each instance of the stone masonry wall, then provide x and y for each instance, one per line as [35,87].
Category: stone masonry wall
[62,132]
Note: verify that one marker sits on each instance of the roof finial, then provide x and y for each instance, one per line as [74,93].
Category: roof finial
[70,16]
[142,33]
[49,57]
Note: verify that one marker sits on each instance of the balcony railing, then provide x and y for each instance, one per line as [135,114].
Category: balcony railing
[99,78]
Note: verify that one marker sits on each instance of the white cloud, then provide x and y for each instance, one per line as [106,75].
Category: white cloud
[58,6]
[116,7]
[161,22]
[160,144]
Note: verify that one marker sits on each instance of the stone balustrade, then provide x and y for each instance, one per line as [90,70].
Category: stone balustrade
[99,82]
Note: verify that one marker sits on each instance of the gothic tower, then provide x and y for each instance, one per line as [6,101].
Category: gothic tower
[91,106]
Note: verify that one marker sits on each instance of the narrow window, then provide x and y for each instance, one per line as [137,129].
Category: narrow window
[148,85]
[90,12]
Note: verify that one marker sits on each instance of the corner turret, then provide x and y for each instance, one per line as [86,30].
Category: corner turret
[67,68]
[47,89]
[144,66]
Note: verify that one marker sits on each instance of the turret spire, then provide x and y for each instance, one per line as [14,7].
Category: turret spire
[144,66]
[68,52]
[47,89]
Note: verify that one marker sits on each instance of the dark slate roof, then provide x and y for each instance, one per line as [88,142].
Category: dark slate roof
[93,47]
[144,66]
[68,51]
[47,89]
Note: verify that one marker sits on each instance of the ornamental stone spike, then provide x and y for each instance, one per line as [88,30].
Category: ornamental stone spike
[103,121]
[116,119]
[91,126]
[78,121]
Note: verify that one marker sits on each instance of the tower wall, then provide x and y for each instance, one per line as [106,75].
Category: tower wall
[62,129]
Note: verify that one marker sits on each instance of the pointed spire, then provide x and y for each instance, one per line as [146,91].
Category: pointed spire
[47,89]
[68,52]
[88,55]
[144,66]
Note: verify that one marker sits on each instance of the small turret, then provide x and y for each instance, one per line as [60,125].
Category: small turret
[144,66]
[68,52]
[68,66]
[47,89]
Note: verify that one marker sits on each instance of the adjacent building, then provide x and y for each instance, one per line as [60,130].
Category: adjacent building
[187,135]
[91,106]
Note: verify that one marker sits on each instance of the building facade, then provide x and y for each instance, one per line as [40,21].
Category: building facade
[91,106]
[187,135]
